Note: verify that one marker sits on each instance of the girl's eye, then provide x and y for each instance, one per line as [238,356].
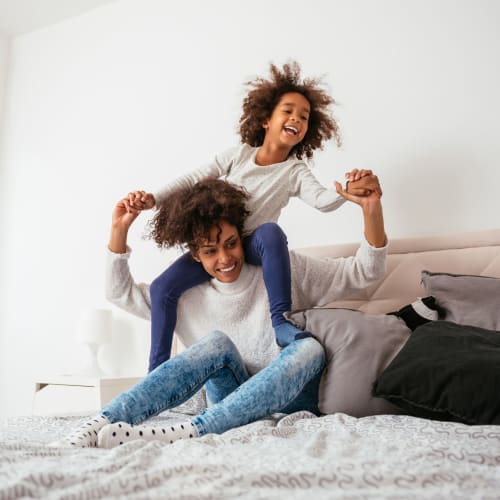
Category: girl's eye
[209,252]
[231,244]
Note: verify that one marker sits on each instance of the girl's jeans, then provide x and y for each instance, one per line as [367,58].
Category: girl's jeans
[290,383]
[266,246]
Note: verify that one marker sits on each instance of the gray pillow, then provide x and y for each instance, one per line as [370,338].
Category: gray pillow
[358,346]
[465,299]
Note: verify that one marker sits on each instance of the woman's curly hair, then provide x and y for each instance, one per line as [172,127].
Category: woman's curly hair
[263,97]
[188,214]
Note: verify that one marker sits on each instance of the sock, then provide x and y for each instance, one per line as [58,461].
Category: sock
[419,312]
[119,433]
[286,333]
[84,436]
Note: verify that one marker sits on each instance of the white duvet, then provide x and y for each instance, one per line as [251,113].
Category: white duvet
[295,456]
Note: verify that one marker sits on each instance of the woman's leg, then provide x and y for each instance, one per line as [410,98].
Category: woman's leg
[165,291]
[267,246]
[213,359]
[290,383]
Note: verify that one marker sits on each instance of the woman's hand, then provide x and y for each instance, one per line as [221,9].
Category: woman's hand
[122,218]
[372,213]
[362,182]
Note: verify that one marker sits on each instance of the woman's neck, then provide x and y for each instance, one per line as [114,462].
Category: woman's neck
[268,154]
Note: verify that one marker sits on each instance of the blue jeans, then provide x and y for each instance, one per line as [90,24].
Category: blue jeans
[266,246]
[290,383]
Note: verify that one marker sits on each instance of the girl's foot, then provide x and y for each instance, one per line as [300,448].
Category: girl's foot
[119,433]
[286,333]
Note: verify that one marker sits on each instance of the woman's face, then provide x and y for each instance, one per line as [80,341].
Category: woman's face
[222,254]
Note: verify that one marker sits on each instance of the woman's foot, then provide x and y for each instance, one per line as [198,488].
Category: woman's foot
[119,433]
[84,436]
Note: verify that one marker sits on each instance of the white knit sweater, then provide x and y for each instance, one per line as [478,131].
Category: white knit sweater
[270,187]
[241,309]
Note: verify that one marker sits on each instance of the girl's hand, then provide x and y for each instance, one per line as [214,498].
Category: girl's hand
[367,196]
[362,183]
[356,174]
[140,200]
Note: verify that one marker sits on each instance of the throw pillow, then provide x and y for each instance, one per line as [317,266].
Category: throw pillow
[418,312]
[465,299]
[358,347]
[446,372]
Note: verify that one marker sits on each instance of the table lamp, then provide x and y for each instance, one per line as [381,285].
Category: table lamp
[94,330]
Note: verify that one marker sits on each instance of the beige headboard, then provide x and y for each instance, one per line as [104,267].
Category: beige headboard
[475,253]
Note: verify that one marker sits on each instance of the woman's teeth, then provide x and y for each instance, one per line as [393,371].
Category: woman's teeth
[227,269]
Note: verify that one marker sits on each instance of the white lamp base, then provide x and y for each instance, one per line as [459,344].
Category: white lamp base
[91,367]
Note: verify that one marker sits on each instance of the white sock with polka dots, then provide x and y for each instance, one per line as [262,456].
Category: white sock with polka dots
[119,433]
[84,436]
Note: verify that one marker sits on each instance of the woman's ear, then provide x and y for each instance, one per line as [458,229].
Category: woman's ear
[195,256]
[265,125]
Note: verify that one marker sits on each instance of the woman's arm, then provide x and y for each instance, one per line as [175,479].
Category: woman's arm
[372,214]
[123,217]
[320,281]
[121,289]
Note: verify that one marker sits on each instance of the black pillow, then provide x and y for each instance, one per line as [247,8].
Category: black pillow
[446,371]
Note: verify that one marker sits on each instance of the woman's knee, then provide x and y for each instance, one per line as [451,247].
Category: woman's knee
[220,340]
[310,351]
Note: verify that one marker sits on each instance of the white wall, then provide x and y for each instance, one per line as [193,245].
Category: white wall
[4,53]
[137,92]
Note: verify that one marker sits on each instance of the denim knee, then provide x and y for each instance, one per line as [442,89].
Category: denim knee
[220,342]
[311,352]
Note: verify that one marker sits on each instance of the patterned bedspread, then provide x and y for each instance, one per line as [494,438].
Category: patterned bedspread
[286,457]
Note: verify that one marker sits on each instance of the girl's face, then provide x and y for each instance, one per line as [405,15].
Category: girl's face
[288,123]
[222,254]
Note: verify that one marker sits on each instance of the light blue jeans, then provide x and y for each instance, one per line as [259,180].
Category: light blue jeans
[290,383]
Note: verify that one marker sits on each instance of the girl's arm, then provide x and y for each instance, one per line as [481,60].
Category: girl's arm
[219,167]
[305,186]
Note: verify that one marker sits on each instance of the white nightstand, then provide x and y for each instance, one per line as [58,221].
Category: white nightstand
[63,394]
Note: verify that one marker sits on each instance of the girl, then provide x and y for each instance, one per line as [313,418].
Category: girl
[285,119]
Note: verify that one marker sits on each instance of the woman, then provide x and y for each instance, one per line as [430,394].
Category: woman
[246,374]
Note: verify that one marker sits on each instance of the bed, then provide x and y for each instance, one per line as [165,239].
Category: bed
[295,456]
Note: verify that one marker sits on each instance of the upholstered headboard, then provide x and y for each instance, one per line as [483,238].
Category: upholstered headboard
[476,253]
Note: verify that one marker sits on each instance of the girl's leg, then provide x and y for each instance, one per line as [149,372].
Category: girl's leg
[165,291]
[290,383]
[268,246]
[214,358]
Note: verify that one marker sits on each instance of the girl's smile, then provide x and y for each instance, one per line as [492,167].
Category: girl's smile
[289,120]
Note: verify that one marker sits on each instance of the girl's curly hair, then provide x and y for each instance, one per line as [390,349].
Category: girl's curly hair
[264,95]
[188,214]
